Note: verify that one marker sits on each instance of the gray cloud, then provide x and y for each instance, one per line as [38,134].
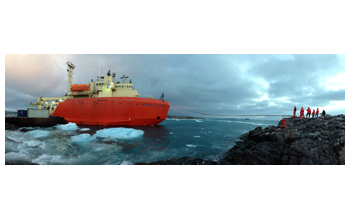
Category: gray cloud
[218,84]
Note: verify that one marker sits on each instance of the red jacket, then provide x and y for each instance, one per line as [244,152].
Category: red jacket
[317,111]
[309,110]
[313,112]
[302,110]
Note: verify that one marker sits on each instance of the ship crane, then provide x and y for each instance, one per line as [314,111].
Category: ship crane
[70,73]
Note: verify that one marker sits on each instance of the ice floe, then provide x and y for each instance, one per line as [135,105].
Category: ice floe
[118,133]
[197,136]
[68,127]
[39,133]
[198,121]
[80,138]
[126,163]
[84,129]
[191,145]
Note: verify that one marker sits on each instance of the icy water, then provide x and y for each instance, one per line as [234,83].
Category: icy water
[71,144]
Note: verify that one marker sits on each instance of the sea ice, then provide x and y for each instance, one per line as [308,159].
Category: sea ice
[85,129]
[191,145]
[198,121]
[68,127]
[34,144]
[39,133]
[197,136]
[118,133]
[50,159]
[80,138]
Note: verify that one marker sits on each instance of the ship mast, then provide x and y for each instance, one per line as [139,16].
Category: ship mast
[70,73]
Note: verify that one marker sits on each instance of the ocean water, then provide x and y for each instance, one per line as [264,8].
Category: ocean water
[173,138]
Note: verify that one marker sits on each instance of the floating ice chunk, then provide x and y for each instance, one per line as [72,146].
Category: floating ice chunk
[80,138]
[191,145]
[85,129]
[228,121]
[68,127]
[197,136]
[118,133]
[198,121]
[126,163]
[39,133]
[50,159]
[171,132]
[34,144]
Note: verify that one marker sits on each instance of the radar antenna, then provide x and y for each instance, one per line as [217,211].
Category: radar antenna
[124,77]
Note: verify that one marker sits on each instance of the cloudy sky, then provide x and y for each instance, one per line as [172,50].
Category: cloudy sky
[213,84]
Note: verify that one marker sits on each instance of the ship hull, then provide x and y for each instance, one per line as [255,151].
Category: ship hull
[113,111]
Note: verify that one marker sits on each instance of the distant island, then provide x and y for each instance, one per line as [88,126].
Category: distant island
[182,117]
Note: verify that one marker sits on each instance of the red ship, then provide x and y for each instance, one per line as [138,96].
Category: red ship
[105,102]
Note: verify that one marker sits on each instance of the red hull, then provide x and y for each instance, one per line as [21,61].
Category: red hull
[113,111]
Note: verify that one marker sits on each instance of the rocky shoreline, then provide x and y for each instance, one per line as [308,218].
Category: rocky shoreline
[307,141]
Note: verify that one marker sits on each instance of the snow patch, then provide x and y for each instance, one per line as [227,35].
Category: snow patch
[68,127]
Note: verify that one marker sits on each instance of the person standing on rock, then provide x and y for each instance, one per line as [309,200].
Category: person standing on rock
[301,112]
[295,111]
[313,113]
[323,113]
[317,112]
[308,112]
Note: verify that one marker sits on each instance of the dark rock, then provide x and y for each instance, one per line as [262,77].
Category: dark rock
[17,162]
[11,127]
[303,142]
[25,130]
